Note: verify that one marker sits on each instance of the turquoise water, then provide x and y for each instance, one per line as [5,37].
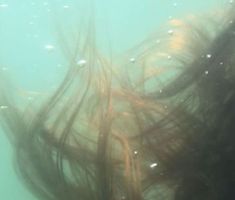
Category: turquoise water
[30,50]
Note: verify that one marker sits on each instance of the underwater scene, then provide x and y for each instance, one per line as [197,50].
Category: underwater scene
[117,100]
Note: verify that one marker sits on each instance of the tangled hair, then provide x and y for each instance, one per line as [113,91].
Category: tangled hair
[159,127]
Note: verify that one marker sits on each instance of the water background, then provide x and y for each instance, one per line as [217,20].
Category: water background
[31,54]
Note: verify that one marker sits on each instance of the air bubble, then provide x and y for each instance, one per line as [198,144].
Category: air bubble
[3,5]
[30,98]
[31,23]
[59,65]
[35,35]
[81,63]
[135,152]
[35,16]
[132,60]
[66,6]
[3,107]
[49,47]
[45,3]
[158,41]
[170,32]
[206,72]
[153,165]
[169,57]
[208,55]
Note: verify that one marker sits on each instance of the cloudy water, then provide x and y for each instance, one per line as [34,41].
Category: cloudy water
[33,50]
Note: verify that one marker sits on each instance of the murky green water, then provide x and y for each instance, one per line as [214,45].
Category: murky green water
[30,49]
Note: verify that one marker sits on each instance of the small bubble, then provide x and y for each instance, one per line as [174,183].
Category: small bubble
[3,5]
[65,6]
[3,107]
[153,165]
[35,16]
[170,32]
[45,3]
[165,107]
[132,60]
[59,65]
[175,4]
[4,68]
[49,47]
[123,198]
[35,35]
[231,1]
[158,41]
[231,21]
[30,98]
[206,72]
[170,17]
[208,55]
[81,63]
[160,90]
[31,23]
[135,152]
[221,63]
[169,57]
